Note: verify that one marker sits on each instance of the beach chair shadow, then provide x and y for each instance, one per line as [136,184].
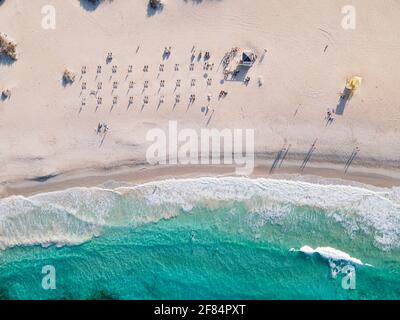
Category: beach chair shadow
[343,100]
[165,56]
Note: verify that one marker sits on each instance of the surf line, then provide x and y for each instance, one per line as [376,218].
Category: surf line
[166,310]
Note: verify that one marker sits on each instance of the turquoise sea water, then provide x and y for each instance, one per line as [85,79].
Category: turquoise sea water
[208,238]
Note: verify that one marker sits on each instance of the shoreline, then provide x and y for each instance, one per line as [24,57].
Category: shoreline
[140,173]
[48,135]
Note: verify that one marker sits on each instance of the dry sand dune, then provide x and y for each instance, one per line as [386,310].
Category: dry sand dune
[48,128]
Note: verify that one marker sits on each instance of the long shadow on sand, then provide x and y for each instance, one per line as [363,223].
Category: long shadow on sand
[343,100]
[43,178]
[240,75]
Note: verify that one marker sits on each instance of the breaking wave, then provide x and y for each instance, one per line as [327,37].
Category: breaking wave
[76,215]
[330,254]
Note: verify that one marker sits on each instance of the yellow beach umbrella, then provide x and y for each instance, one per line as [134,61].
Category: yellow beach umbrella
[354,83]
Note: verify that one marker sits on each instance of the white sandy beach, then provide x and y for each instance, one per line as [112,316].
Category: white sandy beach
[45,130]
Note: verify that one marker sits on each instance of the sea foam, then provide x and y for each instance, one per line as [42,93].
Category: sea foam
[329,253]
[76,215]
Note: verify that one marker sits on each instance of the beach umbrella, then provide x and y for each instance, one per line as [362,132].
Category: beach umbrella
[354,83]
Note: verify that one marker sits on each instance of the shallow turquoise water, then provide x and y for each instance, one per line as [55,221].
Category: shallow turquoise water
[219,251]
